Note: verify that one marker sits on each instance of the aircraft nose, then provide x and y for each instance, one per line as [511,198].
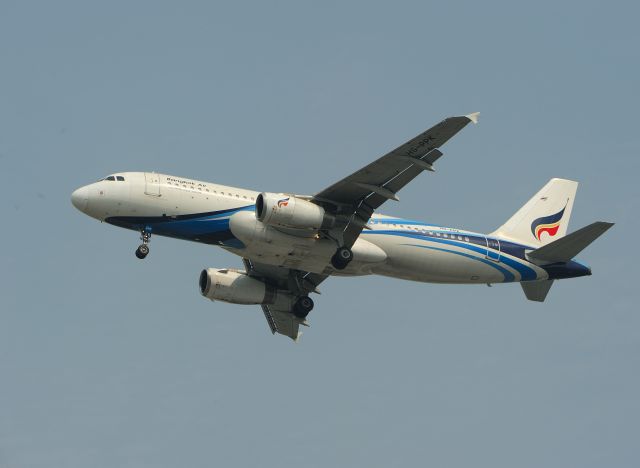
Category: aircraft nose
[80,198]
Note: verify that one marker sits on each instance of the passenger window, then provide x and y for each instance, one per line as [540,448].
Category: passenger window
[466,238]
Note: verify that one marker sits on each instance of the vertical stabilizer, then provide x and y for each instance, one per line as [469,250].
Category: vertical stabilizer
[545,217]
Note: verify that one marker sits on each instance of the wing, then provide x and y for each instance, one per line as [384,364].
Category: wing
[354,198]
[295,282]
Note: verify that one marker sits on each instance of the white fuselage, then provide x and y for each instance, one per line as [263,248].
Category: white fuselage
[225,216]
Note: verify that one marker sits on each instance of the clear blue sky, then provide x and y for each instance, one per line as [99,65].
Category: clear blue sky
[106,361]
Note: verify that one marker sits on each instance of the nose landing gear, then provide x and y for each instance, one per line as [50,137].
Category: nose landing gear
[143,249]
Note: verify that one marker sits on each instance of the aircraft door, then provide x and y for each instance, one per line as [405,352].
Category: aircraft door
[493,249]
[152,184]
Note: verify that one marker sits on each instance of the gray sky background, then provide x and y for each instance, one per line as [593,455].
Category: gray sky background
[106,361]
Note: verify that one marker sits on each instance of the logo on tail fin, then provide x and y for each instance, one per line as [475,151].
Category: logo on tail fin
[549,224]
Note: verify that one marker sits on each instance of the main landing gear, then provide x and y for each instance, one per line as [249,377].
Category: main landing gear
[341,258]
[143,249]
[303,306]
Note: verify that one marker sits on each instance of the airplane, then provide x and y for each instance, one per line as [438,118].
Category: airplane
[290,243]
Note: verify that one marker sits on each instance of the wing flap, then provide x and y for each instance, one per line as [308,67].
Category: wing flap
[283,322]
[270,320]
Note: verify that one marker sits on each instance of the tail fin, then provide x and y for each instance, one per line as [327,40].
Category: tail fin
[563,250]
[543,218]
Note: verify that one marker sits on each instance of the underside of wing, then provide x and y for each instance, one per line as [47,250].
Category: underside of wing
[283,322]
[291,285]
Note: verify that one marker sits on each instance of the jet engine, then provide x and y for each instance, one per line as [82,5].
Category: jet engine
[278,209]
[235,287]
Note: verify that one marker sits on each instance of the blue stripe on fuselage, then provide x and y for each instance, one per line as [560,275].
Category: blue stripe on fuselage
[525,272]
[210,227]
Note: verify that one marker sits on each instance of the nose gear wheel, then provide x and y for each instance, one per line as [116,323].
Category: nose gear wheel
[143,249]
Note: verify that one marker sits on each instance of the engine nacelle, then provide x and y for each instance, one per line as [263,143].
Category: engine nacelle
[235,287]
[277,209]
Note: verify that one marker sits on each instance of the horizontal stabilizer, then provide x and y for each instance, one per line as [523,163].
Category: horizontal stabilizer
[567,247]
[536,290]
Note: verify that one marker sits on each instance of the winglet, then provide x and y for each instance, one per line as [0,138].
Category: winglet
[473,117]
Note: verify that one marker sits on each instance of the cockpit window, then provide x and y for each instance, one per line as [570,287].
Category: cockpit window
[120,178]
[110,178]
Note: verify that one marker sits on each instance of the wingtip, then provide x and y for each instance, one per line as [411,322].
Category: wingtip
[473,117]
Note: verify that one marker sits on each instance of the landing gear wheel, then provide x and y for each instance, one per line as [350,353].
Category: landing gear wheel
[142,251]
[341,258]
[302,307]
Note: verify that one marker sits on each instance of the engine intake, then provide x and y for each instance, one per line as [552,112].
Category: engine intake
[278,209]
